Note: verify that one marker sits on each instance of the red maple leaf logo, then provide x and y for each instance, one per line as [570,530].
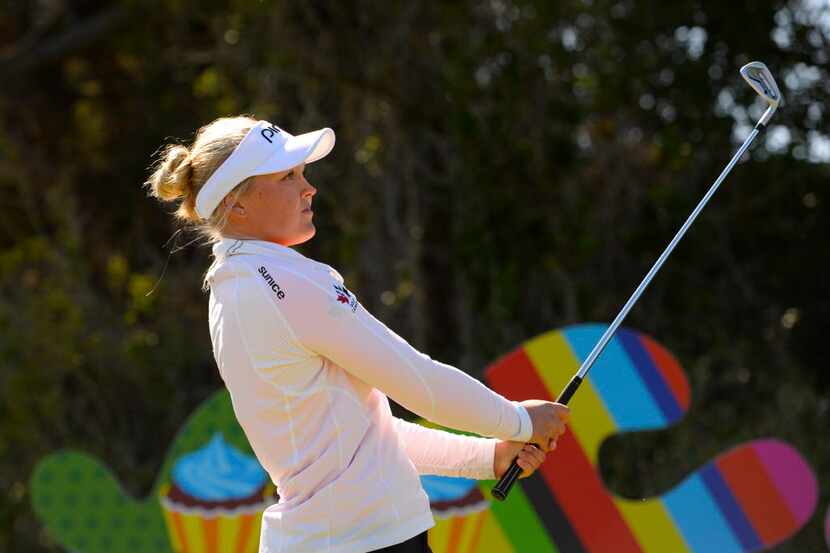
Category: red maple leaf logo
[342,299]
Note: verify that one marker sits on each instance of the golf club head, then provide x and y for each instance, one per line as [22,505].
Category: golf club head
[760,79]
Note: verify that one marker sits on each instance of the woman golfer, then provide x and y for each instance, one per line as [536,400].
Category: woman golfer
[309,369]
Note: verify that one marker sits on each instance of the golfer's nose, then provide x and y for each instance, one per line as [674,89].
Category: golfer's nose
[308,189]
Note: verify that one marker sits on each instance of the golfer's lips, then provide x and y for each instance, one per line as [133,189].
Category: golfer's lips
[307,210]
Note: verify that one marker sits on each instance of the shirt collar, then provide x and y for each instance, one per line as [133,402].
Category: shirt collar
[228,247]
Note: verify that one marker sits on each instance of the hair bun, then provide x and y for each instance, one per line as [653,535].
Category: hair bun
[172,178]
[179,172]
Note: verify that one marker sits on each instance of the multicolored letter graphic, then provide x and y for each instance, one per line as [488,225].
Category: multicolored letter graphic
[746,499]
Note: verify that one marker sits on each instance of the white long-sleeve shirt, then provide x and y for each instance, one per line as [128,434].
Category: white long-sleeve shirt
[309,371]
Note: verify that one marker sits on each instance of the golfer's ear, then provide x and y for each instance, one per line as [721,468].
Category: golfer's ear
[237,207]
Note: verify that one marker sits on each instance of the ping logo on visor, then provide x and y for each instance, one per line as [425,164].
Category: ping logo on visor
[253,156]
[268,132]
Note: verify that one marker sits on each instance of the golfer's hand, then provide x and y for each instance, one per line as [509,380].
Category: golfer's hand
[530,458]
[549,420]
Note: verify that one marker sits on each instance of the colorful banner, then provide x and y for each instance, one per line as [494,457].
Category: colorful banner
[747,499]
[211,491]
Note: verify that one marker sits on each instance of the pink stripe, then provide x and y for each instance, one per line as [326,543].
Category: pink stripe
[792,476]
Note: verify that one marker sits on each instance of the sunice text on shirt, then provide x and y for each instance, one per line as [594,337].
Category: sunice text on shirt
[271,282]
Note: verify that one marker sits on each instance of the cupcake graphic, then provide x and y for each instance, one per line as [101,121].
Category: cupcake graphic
[453,497]
[215,500]
[462,515]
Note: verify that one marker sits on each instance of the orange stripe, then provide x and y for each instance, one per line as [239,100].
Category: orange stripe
[177,524]
[456,530]
[477,531]
[211,534]
[246,523]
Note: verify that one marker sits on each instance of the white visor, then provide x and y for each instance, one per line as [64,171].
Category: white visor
[265,149]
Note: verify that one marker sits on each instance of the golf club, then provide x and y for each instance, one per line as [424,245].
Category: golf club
[760,79]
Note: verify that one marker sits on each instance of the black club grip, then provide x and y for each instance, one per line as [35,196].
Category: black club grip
[505,483]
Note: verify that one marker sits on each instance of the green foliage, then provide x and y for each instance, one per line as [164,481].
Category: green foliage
[502,168]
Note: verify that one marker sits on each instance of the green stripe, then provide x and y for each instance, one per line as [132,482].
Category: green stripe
[519,521]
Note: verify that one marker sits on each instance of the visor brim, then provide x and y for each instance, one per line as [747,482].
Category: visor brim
[303,148]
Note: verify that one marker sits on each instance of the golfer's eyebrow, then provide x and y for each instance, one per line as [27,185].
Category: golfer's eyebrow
[295,171]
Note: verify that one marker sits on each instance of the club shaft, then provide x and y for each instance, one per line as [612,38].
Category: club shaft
[612,328]
[502,488]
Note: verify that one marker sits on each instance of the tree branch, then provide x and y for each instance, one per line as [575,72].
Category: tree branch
[77,37]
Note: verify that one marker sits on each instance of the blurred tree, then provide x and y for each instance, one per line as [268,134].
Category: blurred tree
[503,167]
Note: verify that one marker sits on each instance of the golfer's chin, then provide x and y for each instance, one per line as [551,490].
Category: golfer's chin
[307,234]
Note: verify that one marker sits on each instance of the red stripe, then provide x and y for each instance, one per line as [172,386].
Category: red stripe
[583,497]
[568,472]
[514,377]
[757,495]
[670,370]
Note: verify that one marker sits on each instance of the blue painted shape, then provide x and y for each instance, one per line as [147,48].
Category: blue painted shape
[446,488]
[699,519]
[730,508]
[218,472]
[617,382]
[650,374]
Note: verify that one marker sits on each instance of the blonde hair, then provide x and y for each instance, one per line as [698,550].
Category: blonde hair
[180,172]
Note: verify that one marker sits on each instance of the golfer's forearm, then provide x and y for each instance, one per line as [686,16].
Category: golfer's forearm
[445,454]
[447,396]
[436,391]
